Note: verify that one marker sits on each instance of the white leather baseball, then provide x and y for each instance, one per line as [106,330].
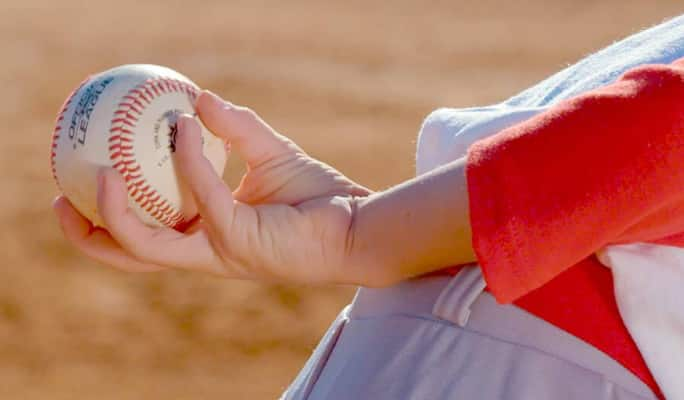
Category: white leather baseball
[125,118]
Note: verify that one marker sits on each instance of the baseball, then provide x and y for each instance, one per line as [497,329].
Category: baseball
[125,118]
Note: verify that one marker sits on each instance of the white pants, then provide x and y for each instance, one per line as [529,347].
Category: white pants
[444,338]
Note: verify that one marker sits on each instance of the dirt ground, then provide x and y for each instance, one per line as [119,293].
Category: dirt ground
[350,81]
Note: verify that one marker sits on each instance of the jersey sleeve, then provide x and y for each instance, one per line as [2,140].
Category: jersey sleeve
[602,168]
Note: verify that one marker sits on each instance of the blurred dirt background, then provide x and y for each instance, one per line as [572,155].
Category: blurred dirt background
[350,81]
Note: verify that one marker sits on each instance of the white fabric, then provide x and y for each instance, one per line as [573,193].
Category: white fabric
[649,287]
[647,276]
[409,342]
[454,304]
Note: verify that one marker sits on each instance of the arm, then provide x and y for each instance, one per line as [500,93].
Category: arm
[291,219]
[414,228]
[534,210]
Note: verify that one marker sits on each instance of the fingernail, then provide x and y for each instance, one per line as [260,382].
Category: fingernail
[218,101]
[56,202]
[101,180]
[214,97]
[58,207]
[182,122]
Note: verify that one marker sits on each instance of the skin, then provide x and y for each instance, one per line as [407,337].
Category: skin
[291,219]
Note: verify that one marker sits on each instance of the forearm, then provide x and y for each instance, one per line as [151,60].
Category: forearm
[535,213]
[417,227]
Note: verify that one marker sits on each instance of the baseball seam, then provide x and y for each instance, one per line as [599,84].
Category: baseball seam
[122,154]
[58,130]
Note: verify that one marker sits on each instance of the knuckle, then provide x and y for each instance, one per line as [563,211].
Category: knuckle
[246,111]
[133,247]
[224,249]
[247,114]
[143,254]
[215,192]
[226,239]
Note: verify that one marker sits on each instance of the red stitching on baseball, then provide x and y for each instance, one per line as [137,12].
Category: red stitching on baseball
[148,92]
[124,120]
[126,113]
[141,95]
[135,101]
[131,106]
[121,137]
[154,89]
[58,129]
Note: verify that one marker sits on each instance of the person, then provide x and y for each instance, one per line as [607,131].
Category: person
[479,277]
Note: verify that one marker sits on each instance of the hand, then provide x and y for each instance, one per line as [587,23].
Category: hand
[289,219]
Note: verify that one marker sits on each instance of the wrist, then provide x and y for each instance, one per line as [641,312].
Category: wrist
[415,228]
[362,262]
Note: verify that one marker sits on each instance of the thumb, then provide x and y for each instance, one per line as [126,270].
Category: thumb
[252,138]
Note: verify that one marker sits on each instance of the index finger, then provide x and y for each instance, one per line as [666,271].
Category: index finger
[247,133]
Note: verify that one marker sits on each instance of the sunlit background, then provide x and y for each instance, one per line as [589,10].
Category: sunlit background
[349,81]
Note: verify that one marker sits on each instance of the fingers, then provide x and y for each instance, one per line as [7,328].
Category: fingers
[248,134]
[95,242]
[213,197]
[160,246]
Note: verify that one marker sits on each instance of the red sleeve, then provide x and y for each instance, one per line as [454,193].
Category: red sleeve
[605,167]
